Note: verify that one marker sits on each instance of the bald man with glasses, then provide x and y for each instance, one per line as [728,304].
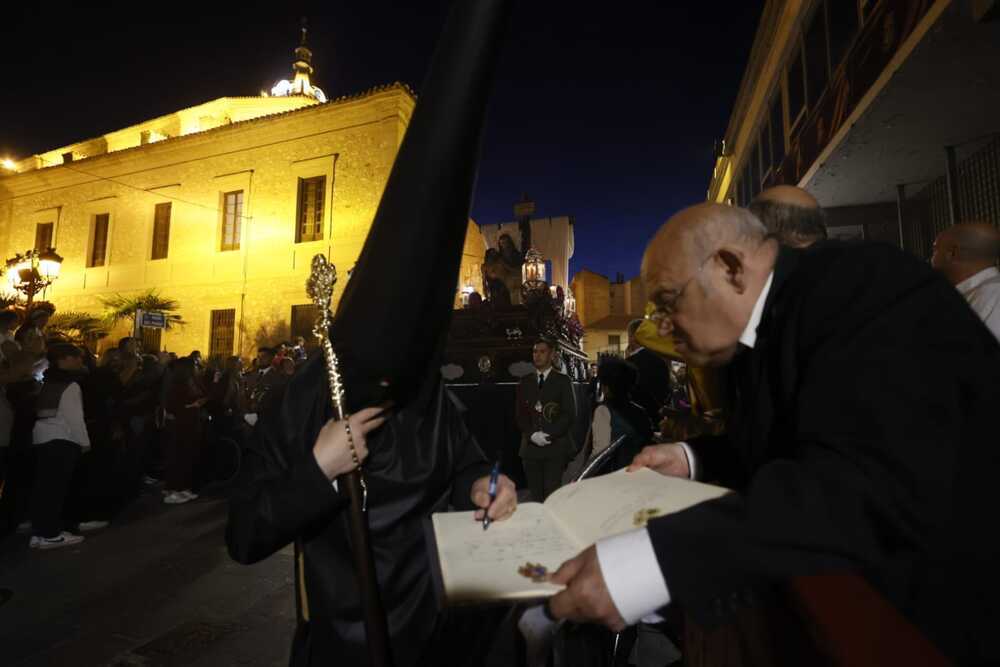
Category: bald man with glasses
[862,438]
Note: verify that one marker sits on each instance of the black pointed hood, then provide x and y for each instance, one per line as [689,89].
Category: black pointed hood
[392,320]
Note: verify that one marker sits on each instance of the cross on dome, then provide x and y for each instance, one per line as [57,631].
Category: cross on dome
[302,70]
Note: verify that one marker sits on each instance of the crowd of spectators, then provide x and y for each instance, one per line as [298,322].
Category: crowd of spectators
[81,437]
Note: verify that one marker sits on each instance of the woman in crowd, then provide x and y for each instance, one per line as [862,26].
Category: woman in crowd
[60,437]
[618,415]
[183,406]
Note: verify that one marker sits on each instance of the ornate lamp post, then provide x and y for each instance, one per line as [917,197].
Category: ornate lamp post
[33,271]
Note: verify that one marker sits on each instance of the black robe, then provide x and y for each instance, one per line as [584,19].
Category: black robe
[421,461]
[863,440]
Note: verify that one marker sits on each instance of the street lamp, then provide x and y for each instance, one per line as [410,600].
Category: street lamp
[33,271]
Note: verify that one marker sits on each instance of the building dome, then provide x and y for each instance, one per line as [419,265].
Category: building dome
[302,70]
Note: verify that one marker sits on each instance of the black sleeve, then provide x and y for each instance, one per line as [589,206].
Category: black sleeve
[469,462]
[274,499]
[716,461]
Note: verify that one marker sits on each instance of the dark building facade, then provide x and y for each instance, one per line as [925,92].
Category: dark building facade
[888,111]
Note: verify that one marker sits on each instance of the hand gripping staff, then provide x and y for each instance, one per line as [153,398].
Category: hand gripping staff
[320,286]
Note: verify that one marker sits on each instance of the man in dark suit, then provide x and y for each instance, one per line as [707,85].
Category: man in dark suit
[545,411]
[652,388]
[267,385]
[863,437]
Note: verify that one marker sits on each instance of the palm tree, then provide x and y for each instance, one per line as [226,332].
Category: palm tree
[120,307]
[76,327]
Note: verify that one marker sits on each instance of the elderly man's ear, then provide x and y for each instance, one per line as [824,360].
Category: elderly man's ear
[730,261]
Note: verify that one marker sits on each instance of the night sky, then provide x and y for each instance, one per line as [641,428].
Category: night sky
[606,113]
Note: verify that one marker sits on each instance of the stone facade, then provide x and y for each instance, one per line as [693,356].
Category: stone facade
[260,146]
[605,308]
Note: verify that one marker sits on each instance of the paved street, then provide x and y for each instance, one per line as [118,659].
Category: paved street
[156,588]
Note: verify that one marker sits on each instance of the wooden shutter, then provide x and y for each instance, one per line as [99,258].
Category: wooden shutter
[150,339]
[99,247]
[221,335]
[309,225]
[231,219]
[43,235]
[161,231]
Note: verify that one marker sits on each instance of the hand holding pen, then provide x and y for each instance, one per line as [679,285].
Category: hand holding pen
[494,475]
[495,495]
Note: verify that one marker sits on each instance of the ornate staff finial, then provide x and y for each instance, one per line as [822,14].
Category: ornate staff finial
[319,286]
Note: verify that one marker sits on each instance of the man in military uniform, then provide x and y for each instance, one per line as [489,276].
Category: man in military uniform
[545,411]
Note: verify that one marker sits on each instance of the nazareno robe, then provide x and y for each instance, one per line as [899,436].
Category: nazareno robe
[422,460]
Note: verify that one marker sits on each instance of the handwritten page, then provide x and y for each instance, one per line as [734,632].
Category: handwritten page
[622,501]
[483,565]
[478,565]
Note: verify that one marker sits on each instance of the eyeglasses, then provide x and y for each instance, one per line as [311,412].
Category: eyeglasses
[668,300]
[667,305]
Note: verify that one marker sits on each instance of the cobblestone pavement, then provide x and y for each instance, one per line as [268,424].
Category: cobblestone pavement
[156,588]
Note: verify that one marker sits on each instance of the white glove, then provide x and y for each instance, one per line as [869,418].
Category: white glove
[541,439]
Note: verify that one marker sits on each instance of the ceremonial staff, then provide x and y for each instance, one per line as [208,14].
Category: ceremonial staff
[386,338]
[320,286]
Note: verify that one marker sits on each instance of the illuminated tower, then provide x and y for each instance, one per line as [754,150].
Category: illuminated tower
[301,71]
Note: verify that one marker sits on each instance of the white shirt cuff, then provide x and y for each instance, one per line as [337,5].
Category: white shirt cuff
[632,575]
[691,460]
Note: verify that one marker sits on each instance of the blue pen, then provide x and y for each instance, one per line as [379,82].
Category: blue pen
[494,476]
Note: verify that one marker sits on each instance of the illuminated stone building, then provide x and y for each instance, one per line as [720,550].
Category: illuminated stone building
[888,111]
[220,206]
[605,308]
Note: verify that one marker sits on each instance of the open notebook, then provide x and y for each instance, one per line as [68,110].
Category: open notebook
[508,561]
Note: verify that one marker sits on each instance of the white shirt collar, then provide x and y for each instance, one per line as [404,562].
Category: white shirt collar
[545,373]
[749,335]
[977,279]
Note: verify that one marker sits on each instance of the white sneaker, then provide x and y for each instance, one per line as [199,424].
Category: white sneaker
[63,539]
[88,526]
[176,498]
[24,528]
[190,495]
[149,480]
